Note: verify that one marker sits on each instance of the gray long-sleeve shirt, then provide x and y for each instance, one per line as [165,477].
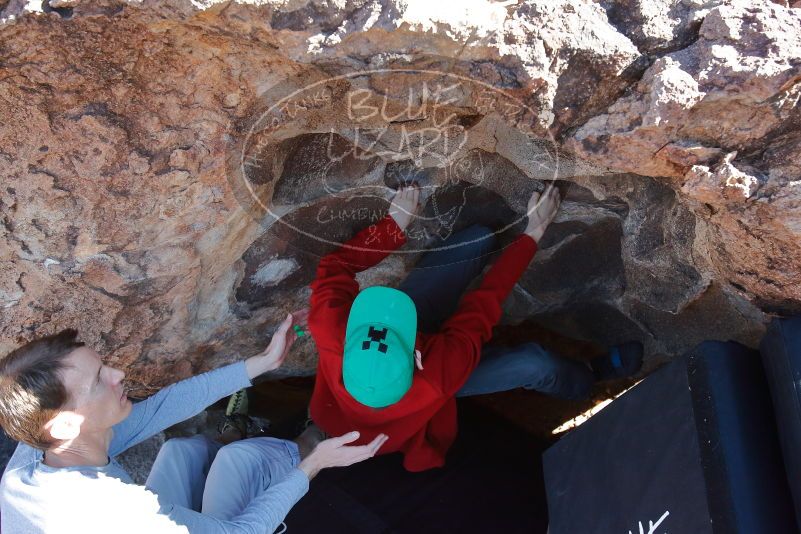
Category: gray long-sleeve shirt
[37,498]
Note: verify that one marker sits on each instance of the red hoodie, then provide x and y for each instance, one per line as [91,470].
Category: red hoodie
[422,425]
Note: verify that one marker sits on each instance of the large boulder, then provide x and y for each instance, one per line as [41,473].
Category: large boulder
[173,171]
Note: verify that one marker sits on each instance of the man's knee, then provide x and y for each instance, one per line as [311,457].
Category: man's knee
[249,453]
[258,450]
[195,448]
[179,445]
[236,451]
[248,459]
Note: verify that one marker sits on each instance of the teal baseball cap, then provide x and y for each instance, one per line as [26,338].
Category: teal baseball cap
[378,362]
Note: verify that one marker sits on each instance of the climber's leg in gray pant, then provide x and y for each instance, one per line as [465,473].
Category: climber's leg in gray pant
[531,367]
[439,279]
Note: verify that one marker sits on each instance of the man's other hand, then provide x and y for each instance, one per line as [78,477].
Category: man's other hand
[274,355]
[404,205]
[336,452]
[542,209]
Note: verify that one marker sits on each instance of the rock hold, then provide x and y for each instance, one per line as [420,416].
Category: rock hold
[709,186]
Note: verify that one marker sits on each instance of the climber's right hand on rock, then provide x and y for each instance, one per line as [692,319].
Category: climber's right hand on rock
[404,205]
[335,452]
[542,209]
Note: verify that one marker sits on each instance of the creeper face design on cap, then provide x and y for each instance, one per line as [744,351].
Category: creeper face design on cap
[378,353]
[376,336]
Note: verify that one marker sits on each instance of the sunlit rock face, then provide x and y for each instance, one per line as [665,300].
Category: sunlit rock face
[173,171]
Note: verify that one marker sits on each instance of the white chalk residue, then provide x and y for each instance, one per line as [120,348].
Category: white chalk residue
[272,272]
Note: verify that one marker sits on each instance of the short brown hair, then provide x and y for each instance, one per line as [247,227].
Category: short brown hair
[31,388]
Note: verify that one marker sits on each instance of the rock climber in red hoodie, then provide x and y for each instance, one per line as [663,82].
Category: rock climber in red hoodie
[392,361]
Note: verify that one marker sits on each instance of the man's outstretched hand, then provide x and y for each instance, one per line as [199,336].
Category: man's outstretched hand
[335,452]
[404,205]
[542,209]
[274,355]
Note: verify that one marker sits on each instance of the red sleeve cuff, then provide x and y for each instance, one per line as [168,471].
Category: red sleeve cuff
[527,242]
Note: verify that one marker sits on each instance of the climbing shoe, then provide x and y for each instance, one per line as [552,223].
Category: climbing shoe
[238,403]
[620,362]
[237,418]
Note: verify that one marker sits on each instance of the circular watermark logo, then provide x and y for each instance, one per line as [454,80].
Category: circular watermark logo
[321,157]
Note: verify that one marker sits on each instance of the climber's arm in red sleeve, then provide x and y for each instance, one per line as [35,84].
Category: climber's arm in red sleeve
[455,350]
[335,286]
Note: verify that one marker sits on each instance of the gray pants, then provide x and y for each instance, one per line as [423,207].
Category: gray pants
[217,480]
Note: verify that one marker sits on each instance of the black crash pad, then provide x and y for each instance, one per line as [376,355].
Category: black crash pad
[781,356]
[691,449]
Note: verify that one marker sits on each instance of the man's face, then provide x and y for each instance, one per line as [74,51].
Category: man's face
[95,390]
